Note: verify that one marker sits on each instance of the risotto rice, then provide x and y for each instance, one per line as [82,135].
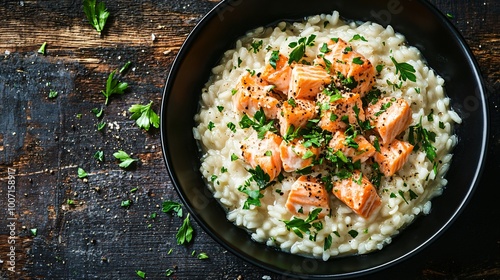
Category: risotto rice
[262,211]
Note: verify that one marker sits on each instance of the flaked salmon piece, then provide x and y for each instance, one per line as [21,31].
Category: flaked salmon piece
[341,58]
[296,113]
[264,153]
[253,93]
[308,193]
[279,76]
[307,81]
[357,148]
[338,114]
[358,193]
[393,156]
[295,156]
[390,117]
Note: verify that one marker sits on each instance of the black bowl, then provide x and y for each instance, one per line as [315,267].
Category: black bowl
[424,27]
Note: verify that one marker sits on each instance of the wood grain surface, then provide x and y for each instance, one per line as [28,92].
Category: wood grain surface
[43,142]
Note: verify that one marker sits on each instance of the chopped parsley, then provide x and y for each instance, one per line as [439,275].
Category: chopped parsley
[405,70]
[358,37]
[125,159]
[41,50]
[144,116]
[419,136]
[275,56]
[52,94]
[99,155]
[255,46]
[300,226]
[353,233]
[299,48]
[259,123]
[96,13]
[172,206]
[140,273]
[81,173]
[185,233]
[358,60]
[113,86]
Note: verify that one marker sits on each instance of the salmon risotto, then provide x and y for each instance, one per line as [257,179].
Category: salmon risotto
[324,137]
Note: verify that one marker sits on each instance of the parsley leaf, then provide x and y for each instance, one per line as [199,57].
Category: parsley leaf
[420,135]
[96,13]
[275,56]
[144,116]
[41,50]
[140,273]
[125,159]
[299,48]
[81,173]
[259,123]
[300,226]
[172,206]
[185,232]
[113,86]
[405,70]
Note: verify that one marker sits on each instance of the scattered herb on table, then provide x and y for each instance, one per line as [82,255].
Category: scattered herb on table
[185,232]
[172,206]
[169,272]
[34,231]
[96,13]
[125,67]
[125,203]
[144,116]
[70,202]
[81,173]
[97,112]
[113,86]
[202,256]
[125,159]
[101,125]
[99,155]
[42,48]
[52,94]
[140,273]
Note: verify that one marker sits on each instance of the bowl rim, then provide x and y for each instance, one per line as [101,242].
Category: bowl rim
[478,81]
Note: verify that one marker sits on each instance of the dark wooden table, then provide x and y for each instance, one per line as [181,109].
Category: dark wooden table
[82,229]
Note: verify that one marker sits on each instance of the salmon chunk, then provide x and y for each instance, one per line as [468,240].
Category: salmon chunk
[295,156]
[342,58]
[393,156]
[253,93]
[390,117]
[296,113]
[308,193]
[337,114]
[264,153]
[279,76]
[358,193]
[357,148]
[307,81]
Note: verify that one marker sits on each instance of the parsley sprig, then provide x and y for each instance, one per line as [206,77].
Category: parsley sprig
[96,13]
[419,136]
[405,70]
[259,123]
[144,116]
[299,48]
[113,86]
[125,159]
[300,226]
